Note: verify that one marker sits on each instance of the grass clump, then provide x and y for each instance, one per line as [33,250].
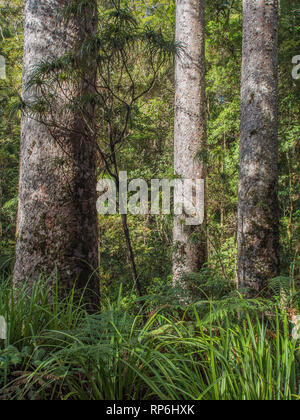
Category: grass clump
[232,349]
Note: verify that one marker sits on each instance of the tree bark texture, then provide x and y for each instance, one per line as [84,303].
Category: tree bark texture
[190,129]
[258,214]
[57,231]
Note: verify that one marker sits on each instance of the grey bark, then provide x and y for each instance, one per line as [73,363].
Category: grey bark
[258,214]
[57,220]
[190,128]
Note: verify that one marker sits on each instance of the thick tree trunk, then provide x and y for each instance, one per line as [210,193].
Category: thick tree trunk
[190,129]
[57,220]
[258,215]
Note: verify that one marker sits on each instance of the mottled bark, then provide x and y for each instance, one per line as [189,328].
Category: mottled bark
[190,128]
[57,220]
[258,215]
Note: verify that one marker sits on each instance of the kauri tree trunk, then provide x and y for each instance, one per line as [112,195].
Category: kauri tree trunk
[57,232]
[258,215]
[190,129]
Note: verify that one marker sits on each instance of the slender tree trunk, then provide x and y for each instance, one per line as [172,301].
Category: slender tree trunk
[190,129]
[126,231]
[57,231]
[258,215]
[131,255]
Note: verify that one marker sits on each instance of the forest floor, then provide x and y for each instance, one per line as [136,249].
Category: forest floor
[231,349]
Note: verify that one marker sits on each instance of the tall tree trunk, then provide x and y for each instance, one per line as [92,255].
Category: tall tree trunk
[190,129]
[57,231]
[258,215]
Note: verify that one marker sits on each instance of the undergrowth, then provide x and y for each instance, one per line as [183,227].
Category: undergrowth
[226,349]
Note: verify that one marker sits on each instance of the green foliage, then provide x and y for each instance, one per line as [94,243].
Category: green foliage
[221,346]
[11,37]
[289,130]
[56,351]
[209,284]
